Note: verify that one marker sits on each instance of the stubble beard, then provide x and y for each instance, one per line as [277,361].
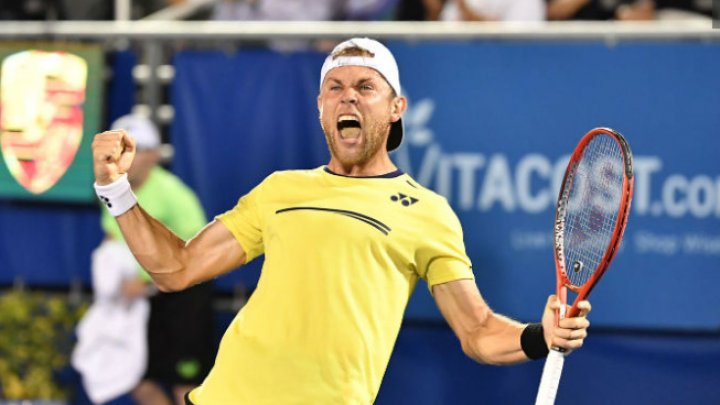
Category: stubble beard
[374,139]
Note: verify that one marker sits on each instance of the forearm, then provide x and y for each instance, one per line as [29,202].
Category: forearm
[496,341]
[158,250]
[485,336]
[173,263]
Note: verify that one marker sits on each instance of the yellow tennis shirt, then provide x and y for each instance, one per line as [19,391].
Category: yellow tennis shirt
[342,256]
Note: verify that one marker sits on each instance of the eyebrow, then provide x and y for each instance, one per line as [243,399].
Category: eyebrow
[357,83]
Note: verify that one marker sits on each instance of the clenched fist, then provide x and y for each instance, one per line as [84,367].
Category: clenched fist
[113,153]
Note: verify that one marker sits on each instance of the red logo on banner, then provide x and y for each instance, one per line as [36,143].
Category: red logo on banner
[41,115]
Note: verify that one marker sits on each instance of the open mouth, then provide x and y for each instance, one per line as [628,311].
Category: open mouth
[348,126]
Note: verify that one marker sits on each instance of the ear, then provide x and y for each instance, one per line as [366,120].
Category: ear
[399,106]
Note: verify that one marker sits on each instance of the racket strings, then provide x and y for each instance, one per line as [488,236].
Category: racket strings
[592,207]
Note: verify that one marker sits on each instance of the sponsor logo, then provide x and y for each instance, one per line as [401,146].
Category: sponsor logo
[41,115]
[403,199]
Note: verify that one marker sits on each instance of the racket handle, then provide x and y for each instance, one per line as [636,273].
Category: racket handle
[550,378]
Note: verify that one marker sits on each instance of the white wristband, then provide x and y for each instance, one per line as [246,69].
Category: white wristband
[116,196]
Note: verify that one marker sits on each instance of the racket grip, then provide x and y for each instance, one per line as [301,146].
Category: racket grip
[550,378]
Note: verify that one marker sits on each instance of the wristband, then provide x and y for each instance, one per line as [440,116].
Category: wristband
[533,343]
[116,196]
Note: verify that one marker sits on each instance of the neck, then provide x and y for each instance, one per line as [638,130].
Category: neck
[375,167]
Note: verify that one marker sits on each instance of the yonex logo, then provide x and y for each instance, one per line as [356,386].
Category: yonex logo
[405,200]
[106,201]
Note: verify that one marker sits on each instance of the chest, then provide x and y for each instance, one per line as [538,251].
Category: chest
[345,219]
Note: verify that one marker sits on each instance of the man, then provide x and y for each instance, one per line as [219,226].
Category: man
[344,246]
[178,356]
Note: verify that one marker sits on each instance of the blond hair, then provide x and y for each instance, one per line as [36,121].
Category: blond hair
[353,51]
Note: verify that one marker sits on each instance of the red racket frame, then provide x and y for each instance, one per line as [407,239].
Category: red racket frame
[563,282]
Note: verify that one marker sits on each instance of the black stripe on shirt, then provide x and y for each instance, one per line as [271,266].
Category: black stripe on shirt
[352,214]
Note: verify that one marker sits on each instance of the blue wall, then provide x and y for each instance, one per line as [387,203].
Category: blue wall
[428,368]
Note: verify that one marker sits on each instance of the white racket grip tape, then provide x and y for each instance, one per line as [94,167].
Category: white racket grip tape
[550,379]
[117,196]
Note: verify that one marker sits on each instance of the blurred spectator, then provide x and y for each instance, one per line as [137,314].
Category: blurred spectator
[278,10]
[52,10]
[684,9]
[302,10]
[111,352]
[493,10]
[30,10]
[626,10]
[418,10]
[370,10]
[180,332]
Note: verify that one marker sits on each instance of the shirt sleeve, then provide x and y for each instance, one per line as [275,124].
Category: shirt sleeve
[244,221]
[441,257]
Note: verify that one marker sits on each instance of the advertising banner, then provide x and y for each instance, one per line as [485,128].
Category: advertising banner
[50,107]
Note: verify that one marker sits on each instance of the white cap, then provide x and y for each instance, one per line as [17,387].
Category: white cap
[143,131]
[382,61]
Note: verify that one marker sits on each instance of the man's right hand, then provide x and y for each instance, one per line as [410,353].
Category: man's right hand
[113,153]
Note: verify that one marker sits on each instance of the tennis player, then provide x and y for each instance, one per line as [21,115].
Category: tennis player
[344,246]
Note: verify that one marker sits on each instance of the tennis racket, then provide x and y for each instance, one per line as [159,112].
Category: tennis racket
[590,218]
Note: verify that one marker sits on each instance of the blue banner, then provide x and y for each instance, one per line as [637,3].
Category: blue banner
[490,126]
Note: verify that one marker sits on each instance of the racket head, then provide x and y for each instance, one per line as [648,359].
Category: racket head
[591,212]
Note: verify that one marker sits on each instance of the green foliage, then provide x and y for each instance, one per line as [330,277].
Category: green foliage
[36,339]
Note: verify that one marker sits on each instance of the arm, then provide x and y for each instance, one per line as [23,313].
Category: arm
[490,338]
[172,263]
[564,9]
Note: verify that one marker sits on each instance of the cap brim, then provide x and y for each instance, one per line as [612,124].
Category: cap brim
[396,135]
